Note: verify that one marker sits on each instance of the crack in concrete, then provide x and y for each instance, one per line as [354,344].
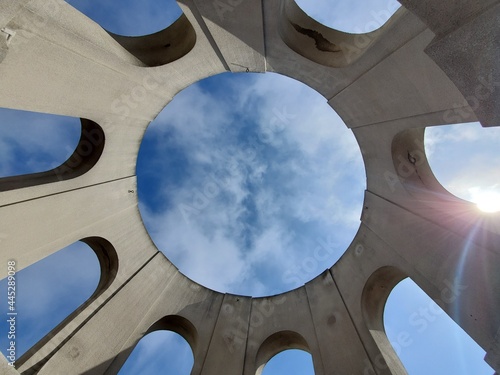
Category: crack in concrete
[321,42]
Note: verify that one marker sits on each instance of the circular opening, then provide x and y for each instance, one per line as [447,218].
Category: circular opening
[131,18]
[349,16]
[465,160]
[250,183]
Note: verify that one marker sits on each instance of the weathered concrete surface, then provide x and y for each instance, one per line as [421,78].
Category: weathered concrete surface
[416,71]
[5,369]
[467,48]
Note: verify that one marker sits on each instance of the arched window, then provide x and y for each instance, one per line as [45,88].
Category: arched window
[290,362]
[465,160]
[35,142]
[154,32]
[37,148]
[48,291]
[128,17]
[359,16]
[160,352]
[426,339]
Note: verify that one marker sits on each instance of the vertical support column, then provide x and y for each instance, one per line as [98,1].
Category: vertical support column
[340,345]
[226,353]
[94,346]
[456,270]
[365,305]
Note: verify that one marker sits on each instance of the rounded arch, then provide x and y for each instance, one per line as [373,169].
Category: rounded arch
[416,176]
[108,262]
[351,16]
[162,47]
[158,352]
[322,44]
[374,296]
[463,159]
[86,155]
[411,164]
[169,37]
[290,361]
[179,325]
[127,17]
[277,343]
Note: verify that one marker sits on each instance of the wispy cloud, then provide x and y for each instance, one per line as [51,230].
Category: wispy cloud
[35,142]
[260,173]
[463,158]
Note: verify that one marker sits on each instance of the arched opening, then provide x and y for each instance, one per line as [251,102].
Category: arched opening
[39,148]
[35,142]
[290,362]
[375,293]
[426,339]
[465,160]
[351,16]
[160,352]
[128,17]
[253,179]
[154,32]
[50,292]
[279,342]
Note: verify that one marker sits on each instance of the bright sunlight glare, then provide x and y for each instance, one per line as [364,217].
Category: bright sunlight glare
[486,200]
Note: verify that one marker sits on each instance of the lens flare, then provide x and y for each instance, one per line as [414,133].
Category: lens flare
[486,200]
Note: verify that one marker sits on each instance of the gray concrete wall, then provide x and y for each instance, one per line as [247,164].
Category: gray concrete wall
[387,86]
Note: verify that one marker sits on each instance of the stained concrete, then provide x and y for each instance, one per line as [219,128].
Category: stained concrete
[419,69]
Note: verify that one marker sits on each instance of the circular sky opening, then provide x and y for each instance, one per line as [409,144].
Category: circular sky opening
[250,183]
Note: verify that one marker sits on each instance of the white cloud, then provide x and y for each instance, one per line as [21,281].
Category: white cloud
[37,141]
[463,158]
[261,163]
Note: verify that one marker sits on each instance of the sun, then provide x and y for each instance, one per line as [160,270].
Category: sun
[486,200]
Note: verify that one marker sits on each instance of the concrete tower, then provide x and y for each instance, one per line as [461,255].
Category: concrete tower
[434,62]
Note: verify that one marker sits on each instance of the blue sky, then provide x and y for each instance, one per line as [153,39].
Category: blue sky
[241,177]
